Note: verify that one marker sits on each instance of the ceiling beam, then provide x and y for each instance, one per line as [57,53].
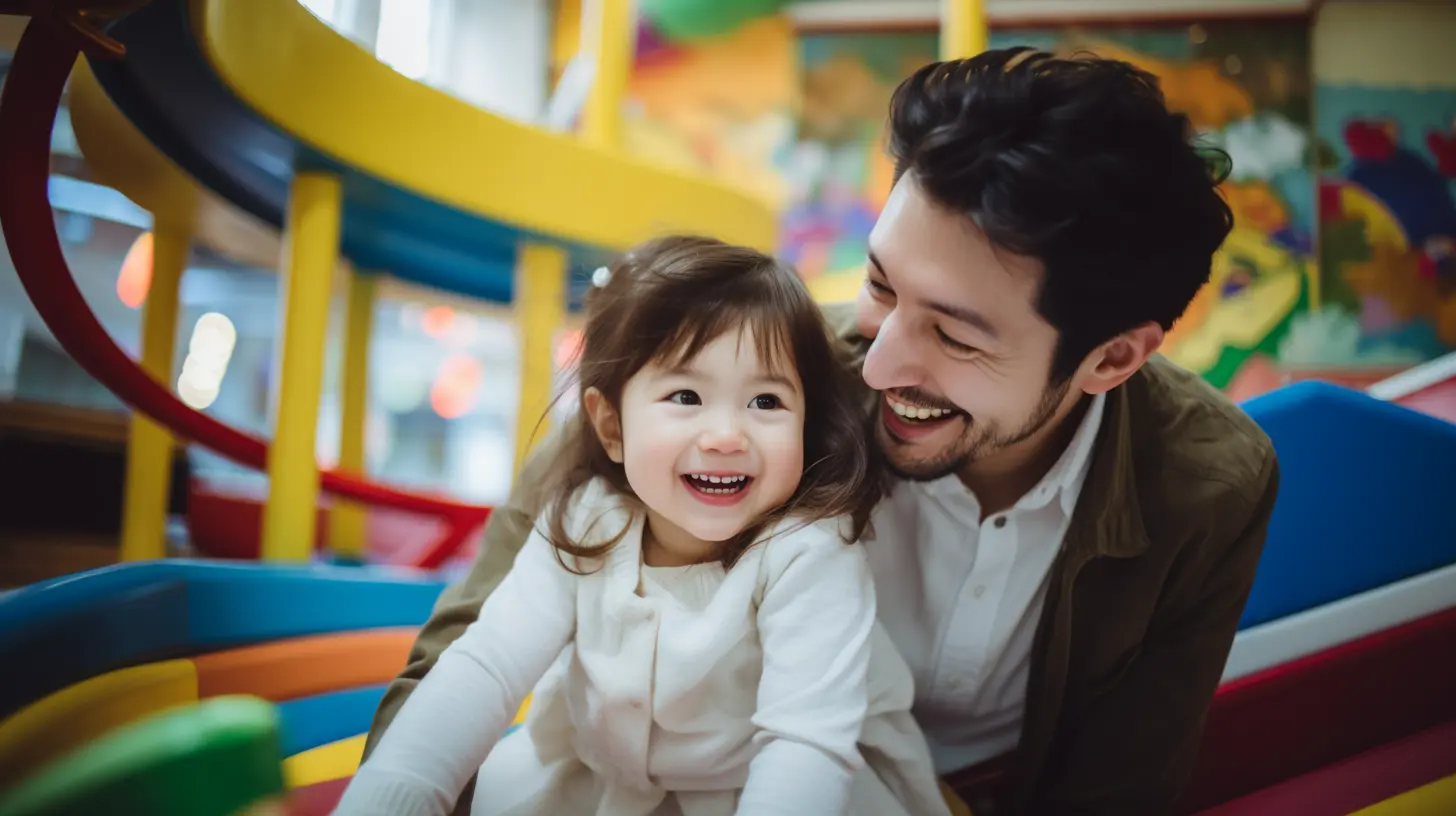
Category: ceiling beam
[851,14]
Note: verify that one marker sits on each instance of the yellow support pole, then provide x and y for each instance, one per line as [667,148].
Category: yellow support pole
[608,30]
[540,301]
[348,520]
[964,31]
[312,240]
[149,446]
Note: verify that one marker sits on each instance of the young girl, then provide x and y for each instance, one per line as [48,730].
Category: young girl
[691,610]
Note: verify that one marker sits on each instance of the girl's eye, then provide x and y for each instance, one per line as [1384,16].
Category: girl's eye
[954,345]
[878,289]
[685,397]
[766,402]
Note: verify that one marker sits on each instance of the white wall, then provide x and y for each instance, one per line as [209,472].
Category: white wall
[493,54]
[1386,42]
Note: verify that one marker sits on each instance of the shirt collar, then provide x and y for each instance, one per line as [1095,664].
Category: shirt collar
[1063,482]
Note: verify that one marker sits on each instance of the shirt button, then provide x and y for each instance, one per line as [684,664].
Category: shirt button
[979,590]
[637,704]
[1000,522]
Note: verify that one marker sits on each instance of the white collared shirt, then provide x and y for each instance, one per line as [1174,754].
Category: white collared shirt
[961,597]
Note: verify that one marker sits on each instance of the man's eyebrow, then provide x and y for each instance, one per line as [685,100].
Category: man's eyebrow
[970,317]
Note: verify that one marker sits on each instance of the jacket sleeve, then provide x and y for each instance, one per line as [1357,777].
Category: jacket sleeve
[459,604]
[1132,750]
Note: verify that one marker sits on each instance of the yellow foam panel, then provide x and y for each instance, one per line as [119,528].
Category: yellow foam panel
[72,717]
[1427,800]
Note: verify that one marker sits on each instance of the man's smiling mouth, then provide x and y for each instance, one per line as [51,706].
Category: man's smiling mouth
[917,413]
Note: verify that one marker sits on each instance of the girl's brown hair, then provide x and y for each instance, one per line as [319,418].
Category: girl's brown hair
[664,302]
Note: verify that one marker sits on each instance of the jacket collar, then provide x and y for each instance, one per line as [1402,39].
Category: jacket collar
[1109,519]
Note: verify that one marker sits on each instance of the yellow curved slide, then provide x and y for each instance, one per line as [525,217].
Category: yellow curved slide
[317,85]
[120,157]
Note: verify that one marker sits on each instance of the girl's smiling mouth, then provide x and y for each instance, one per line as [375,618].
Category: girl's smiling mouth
[717,488]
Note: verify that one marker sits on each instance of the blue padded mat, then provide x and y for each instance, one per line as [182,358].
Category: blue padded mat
[136,625]
[1367,497]
[309,722]
[78,626]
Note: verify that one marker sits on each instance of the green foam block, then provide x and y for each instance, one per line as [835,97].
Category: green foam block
[214,758]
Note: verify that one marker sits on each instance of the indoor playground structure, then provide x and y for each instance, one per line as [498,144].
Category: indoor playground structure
[173,687]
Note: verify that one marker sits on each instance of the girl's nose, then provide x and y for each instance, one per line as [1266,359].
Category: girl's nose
[725,436]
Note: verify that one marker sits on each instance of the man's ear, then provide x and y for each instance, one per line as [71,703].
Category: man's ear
[1110,364]
[605,422]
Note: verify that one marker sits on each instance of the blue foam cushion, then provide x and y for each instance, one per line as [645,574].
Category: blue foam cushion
[135,625]
[1367,497]
[68,629]
[309,722]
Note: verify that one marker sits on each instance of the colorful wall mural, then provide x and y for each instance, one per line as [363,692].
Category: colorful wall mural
[724,106]
[799,120]
[837,172]
[1387,198]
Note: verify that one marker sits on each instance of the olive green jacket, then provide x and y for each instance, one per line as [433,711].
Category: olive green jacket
[1140,614]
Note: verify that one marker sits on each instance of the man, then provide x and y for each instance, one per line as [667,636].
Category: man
[1076,525]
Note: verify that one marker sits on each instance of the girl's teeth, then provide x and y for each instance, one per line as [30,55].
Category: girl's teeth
[726,484]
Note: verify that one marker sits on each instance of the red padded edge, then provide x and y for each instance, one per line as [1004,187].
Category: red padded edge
[1358,783]
[316,800]
[1292,719]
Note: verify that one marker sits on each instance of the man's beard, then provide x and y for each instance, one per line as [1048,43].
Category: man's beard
[976,441]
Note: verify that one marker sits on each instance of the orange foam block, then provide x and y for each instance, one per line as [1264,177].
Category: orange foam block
[300,667]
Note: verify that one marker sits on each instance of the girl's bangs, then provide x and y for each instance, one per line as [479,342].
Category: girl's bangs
[771,326]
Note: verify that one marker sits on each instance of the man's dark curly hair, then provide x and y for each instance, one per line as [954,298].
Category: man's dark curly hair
[1078,163]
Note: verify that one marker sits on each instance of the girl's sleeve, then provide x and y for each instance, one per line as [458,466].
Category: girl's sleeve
[815,622]
[464,704]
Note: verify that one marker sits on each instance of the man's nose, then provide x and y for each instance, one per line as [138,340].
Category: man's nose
[892,361]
